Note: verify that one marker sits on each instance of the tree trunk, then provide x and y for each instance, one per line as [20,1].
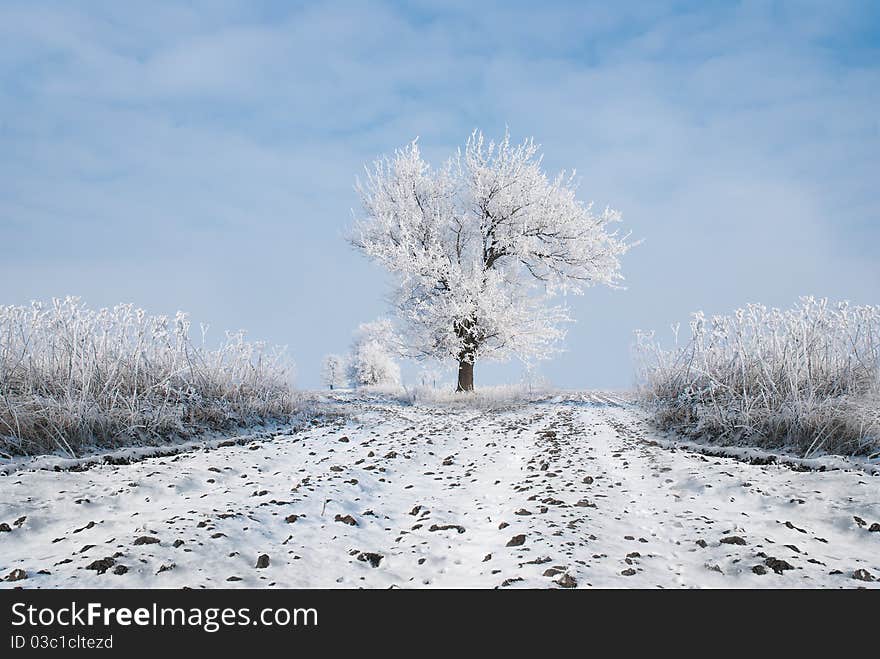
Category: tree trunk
[465,375]
[467,355]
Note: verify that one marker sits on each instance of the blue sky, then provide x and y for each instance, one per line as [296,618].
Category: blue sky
[201,156]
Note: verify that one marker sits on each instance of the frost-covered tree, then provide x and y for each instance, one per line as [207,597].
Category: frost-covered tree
[372,355]
[479,246]
[372,365]
[333,371]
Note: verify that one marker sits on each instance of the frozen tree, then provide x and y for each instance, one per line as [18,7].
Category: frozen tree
[380,331]
[333,371]
[478,248]
[430,374]
[372,365]
[372,355]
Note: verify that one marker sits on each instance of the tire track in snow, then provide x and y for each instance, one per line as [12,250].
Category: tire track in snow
[571,492]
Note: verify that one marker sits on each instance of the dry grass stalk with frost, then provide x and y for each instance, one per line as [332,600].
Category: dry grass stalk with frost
[807,377]
[71,377]
[488,398]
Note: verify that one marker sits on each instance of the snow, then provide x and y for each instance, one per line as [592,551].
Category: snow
[612,503]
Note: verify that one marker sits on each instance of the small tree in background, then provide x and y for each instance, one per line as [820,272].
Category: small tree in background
[430,375]
[478,248]
[372,355]
[333,371]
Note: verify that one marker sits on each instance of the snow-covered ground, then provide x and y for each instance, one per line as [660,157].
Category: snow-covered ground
[574,491]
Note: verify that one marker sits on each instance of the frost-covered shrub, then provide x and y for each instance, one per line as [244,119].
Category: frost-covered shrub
[372,365]
[488,397]
[807,377]
[372,360]
[71,377]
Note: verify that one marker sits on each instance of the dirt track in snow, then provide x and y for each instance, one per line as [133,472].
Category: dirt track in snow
[566,493]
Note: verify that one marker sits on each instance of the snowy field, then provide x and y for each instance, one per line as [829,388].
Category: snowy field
[571,492]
